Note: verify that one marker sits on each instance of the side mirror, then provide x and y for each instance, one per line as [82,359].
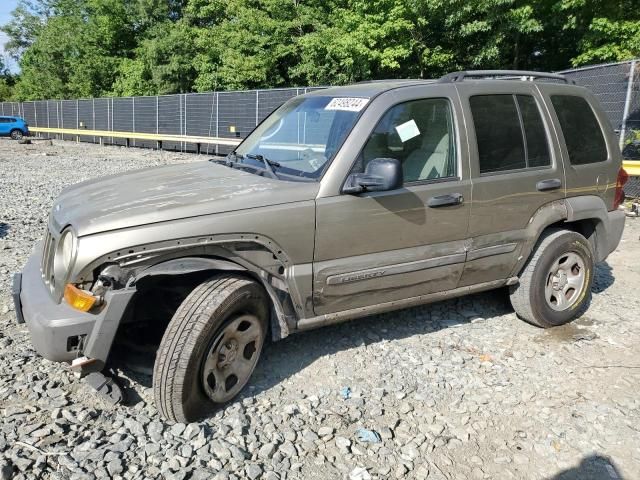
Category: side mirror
[380,175]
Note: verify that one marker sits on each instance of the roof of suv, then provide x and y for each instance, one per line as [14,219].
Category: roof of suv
[376,87]
[369,89]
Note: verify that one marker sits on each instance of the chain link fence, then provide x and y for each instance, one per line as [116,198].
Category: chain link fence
[235,114]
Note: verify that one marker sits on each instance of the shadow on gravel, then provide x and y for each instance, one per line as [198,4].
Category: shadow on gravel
[4,229]
[604,277]
[593,467]
[285,358]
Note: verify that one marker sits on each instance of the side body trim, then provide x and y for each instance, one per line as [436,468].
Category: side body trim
[491,251]
[395,269]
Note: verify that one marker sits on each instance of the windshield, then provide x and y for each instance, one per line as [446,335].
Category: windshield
[304,134]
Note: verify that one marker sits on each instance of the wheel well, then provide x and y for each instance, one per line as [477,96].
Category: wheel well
[150,310]
[586,227]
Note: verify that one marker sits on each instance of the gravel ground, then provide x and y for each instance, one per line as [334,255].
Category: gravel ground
[457,390]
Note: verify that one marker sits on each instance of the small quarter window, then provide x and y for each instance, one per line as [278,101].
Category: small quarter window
[509,132]
[582,134]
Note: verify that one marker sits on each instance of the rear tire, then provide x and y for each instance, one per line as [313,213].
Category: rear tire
[555,284]
[16,134]
[210,348]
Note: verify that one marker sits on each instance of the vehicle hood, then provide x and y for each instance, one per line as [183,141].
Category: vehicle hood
[170,192]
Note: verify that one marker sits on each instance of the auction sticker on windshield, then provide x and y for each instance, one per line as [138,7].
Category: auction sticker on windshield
[349,104]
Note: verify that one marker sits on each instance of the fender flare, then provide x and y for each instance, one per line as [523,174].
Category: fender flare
[572,209]
[591,207]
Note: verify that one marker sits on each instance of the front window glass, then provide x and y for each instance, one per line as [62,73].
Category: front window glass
[304,134]
[419,134]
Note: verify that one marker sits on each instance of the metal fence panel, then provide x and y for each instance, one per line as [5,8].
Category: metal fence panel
[169,118]
[41,113]
[102,113]
[144,119]
[29,112]
[121,117]
[235,114]
[85,118]
[269,100]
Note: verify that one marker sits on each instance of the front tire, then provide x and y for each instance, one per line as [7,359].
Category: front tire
[555,285]
[16,134]
[210,348]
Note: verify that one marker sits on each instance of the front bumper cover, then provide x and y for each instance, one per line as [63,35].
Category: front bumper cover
[52,325]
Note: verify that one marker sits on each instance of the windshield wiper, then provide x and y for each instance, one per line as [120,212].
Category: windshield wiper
[233,160]
[269,164]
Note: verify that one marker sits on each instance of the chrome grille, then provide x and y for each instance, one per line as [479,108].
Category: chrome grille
[46,266]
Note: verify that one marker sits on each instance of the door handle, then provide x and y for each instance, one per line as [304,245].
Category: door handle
[445,200]
[550,184]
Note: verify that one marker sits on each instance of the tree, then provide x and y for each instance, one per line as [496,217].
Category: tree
[608,31]
[29,17]
[6,83]
[78,48]
[163,62]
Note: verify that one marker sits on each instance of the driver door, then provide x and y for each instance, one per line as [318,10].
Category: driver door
[378,247]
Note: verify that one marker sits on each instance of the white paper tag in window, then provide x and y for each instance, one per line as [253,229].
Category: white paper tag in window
[408,130]
[347,104]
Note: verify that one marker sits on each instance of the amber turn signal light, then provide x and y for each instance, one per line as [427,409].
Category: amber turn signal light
[78,299]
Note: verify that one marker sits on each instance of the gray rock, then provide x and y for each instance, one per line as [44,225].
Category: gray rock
[6,469]
[267,451]
[288,449]
[325,431]
[177,429]
[253,471]
[203,474]
[342,443]
[134,426]
[114,467]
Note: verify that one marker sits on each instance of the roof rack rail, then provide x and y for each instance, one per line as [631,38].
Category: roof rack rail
[507,74]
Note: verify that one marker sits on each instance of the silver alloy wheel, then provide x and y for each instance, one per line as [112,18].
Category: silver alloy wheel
[232,357]
[16,135]
[565,281]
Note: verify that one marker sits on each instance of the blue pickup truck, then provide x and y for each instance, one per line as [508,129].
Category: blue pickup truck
[14,127]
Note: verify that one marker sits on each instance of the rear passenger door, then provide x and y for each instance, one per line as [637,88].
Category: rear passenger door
[515,170]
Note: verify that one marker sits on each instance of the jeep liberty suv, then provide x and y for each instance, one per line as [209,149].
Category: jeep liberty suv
[343,203]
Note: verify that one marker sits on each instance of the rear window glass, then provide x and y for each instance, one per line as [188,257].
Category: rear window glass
[582,133]
[500,143]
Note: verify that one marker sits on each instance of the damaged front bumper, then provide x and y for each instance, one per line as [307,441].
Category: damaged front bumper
[60,333]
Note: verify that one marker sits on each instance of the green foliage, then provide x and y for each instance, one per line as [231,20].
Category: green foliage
[84,48]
